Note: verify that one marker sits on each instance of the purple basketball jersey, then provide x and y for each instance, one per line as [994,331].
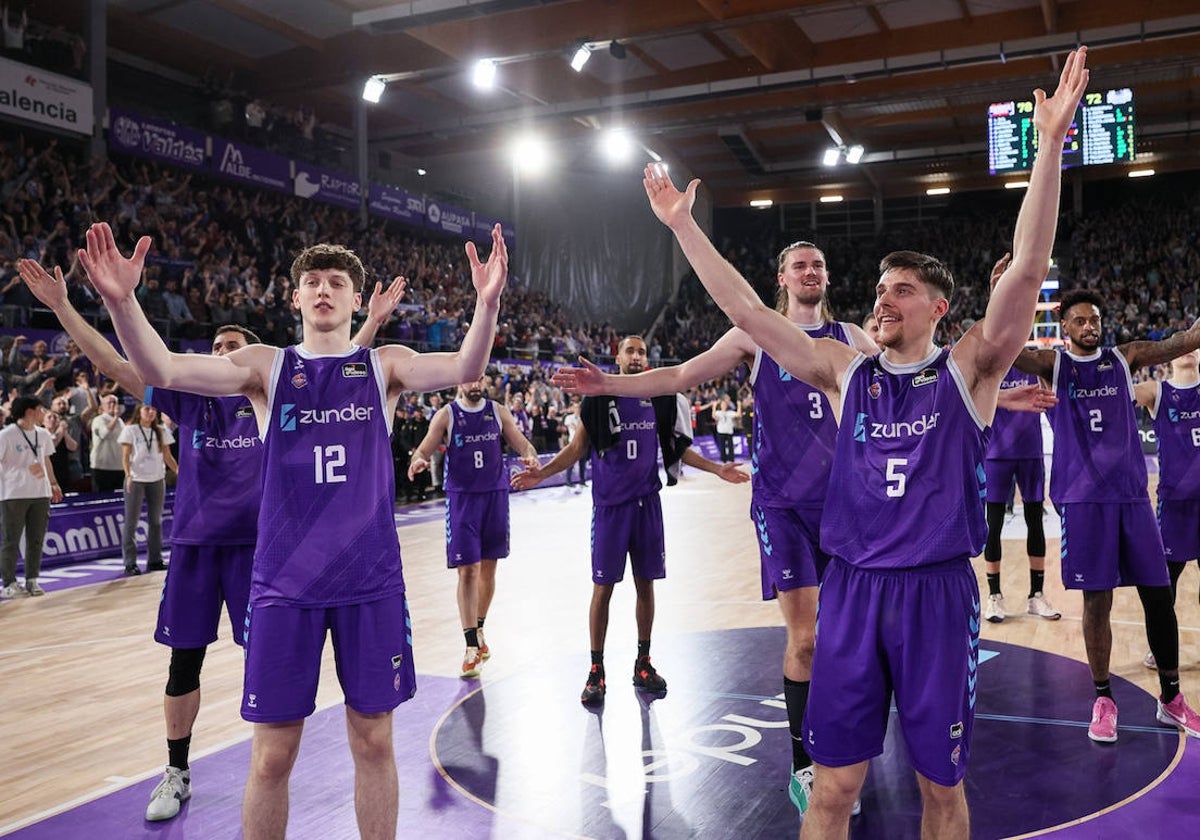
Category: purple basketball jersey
[474,460]
[794,432]
[1177,425]
[326,532]
[1016,434]
[1097,449]
[907,483]
[629,469]
[220,468]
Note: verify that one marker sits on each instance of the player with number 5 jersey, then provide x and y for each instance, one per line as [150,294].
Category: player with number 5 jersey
[904,512]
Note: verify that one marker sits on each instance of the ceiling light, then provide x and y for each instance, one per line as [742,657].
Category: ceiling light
[580,58]
[373,89]
[484,73]
[831,157]
[937,191]
[761,202]
[1140,173]
[617,146]
[420,171]
[530,154]
[854,154]
[1016,185]
[830,199]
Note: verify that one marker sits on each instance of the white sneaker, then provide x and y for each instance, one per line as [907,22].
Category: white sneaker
[1039,606]
[1150,662]
[31,586]
[174,789]
[13,590]
[994,611]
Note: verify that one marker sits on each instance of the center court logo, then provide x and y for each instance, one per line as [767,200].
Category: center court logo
[289,417]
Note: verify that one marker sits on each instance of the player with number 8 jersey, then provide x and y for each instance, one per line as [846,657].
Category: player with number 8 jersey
[327,535]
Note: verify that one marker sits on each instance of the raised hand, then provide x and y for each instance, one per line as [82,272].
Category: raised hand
[999,268]
[51,291]
[489,277]
[671,206]
[588,379]
[114,275]
[382,302]
[1052,115]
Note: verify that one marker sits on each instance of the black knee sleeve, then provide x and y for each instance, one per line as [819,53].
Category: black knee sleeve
[995,523]
[1035,539]
[1162,628]
[184,674]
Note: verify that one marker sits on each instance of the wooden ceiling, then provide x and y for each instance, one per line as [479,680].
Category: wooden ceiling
[745,94]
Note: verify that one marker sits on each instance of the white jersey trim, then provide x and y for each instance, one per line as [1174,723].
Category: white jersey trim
[272,387]
[377,368]
[964,392]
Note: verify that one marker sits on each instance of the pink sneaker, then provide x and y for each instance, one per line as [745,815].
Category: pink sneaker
[1104,720]
[1178,713]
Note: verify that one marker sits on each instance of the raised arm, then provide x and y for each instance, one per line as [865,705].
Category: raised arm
[115,278]
[727,353]
[991,350]
[1039,363]
[819,364]
[407,370]
[1142,354]
[379,307]
[52,292]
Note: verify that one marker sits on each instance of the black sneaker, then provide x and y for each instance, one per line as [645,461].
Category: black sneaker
[131,571]
[156,567]
[646,678]
[593,691]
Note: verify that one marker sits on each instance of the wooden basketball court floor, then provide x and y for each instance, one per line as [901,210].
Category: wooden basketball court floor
[515,755]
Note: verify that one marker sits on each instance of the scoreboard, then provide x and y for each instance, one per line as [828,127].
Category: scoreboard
[1102,132]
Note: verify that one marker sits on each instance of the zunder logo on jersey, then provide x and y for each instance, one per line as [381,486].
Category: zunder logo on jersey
[289,417]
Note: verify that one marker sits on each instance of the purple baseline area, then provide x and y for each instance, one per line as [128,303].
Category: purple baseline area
[522,759]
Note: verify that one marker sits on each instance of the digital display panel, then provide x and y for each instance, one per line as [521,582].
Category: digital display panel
[1102,132]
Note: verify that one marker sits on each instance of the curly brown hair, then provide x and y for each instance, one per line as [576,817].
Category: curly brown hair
[325,255]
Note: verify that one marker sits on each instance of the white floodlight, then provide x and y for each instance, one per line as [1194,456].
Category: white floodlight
[580,58]
[373,89]
[854,154]
[484,74]
[830,157]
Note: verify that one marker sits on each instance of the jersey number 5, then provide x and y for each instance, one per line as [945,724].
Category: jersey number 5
[897,482]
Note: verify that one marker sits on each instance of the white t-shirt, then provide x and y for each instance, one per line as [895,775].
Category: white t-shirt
[724,421]
[146,462]
[572,424]
[22,473]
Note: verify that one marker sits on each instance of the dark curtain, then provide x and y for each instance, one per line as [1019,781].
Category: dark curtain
[593,245]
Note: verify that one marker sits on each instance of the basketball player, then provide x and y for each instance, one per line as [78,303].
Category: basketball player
[1098,481]
[903,515]
[1015,454]
[1175,408]
[326,554]
[215,511]
[625,434]
[477,493]
[793,435]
